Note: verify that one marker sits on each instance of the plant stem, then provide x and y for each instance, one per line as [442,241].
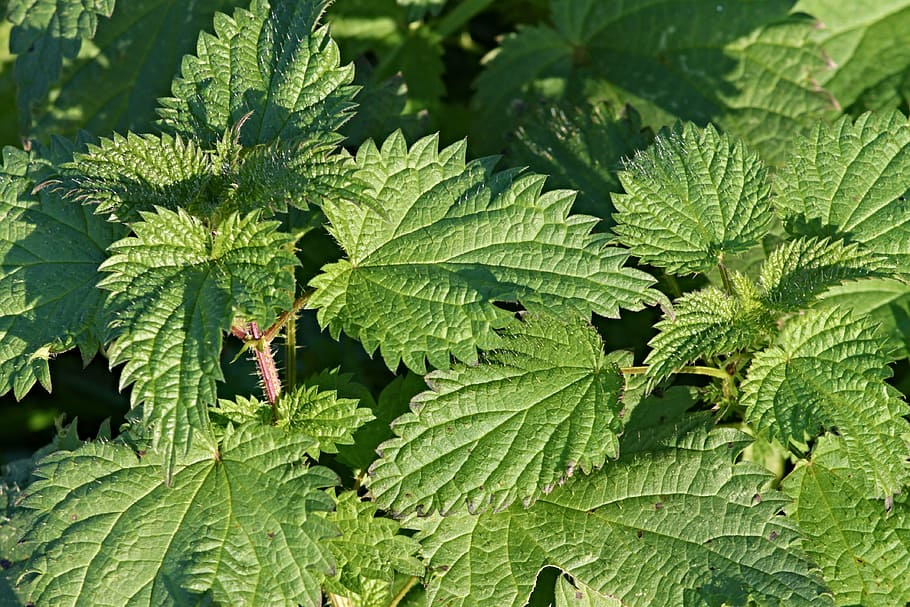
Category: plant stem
[265,364]
[725,276]
[458,16]
[298,305]
[399,596]
[690,369]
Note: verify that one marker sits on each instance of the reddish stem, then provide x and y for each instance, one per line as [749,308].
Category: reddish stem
[265,363]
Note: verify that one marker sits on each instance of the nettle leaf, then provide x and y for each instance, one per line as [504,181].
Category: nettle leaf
[828,370]
[581,147]
[46,32]
[693,197]
[541,406]
[422,280]
[580,595]
[678,526]
[50,250]
[862,549]
[747,67]
[799,270]
[370,549]
[116,81]
[270,60]
[885,301]
[238,525]
[176,286]
[828,188]
[128,175]
[708,322]
[868,50]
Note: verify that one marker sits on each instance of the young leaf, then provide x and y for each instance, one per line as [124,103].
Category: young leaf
[421,282]
[541,406]
[370,549]
[828,188]
[270,60]
[50,251]
[707,322]
[46,33]
[238,525]
[801,269]
[677,526]
[136,173]
[747,67]
[828,370]
[581,147]
[176,286]
[862,549]
[693,197]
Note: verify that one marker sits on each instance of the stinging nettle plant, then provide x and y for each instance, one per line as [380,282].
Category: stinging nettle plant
[757,454]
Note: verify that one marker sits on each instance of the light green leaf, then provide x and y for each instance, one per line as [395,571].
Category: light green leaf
[799,270]
[370,549]
[745,66]
[580,595]
[862,549]
[708,322]
[693,197]
[543,405]
[322,414]
[678,526]
[422,282]
[828,370]
[828,188]
[270,60]
[114,84]
[46,32]
[885,301]
[237,525]
[50,250]
[176,286]
[580,147]
[867,45]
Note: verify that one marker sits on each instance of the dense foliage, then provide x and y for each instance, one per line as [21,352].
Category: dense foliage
[651,352]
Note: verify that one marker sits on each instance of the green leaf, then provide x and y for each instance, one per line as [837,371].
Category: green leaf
[370,549]
[581,147]
[579,595]
[322,414]
[270,60]
[238,525]
[885,301]
[862,549]
[799,270]
[828,188]
[46,32]
[419,9]
[543,405]
[678,526]
[708,322]
[828,370]
[50,250]
[393,402]
[745,66]
[176,286]
[693,197]
[114,84]
[867,47]
[422,282]
[128,175]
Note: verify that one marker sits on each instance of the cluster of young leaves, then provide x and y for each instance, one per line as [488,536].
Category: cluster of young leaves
[524,445]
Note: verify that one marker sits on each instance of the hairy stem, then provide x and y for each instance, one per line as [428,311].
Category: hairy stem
[283,319]
[265,364]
